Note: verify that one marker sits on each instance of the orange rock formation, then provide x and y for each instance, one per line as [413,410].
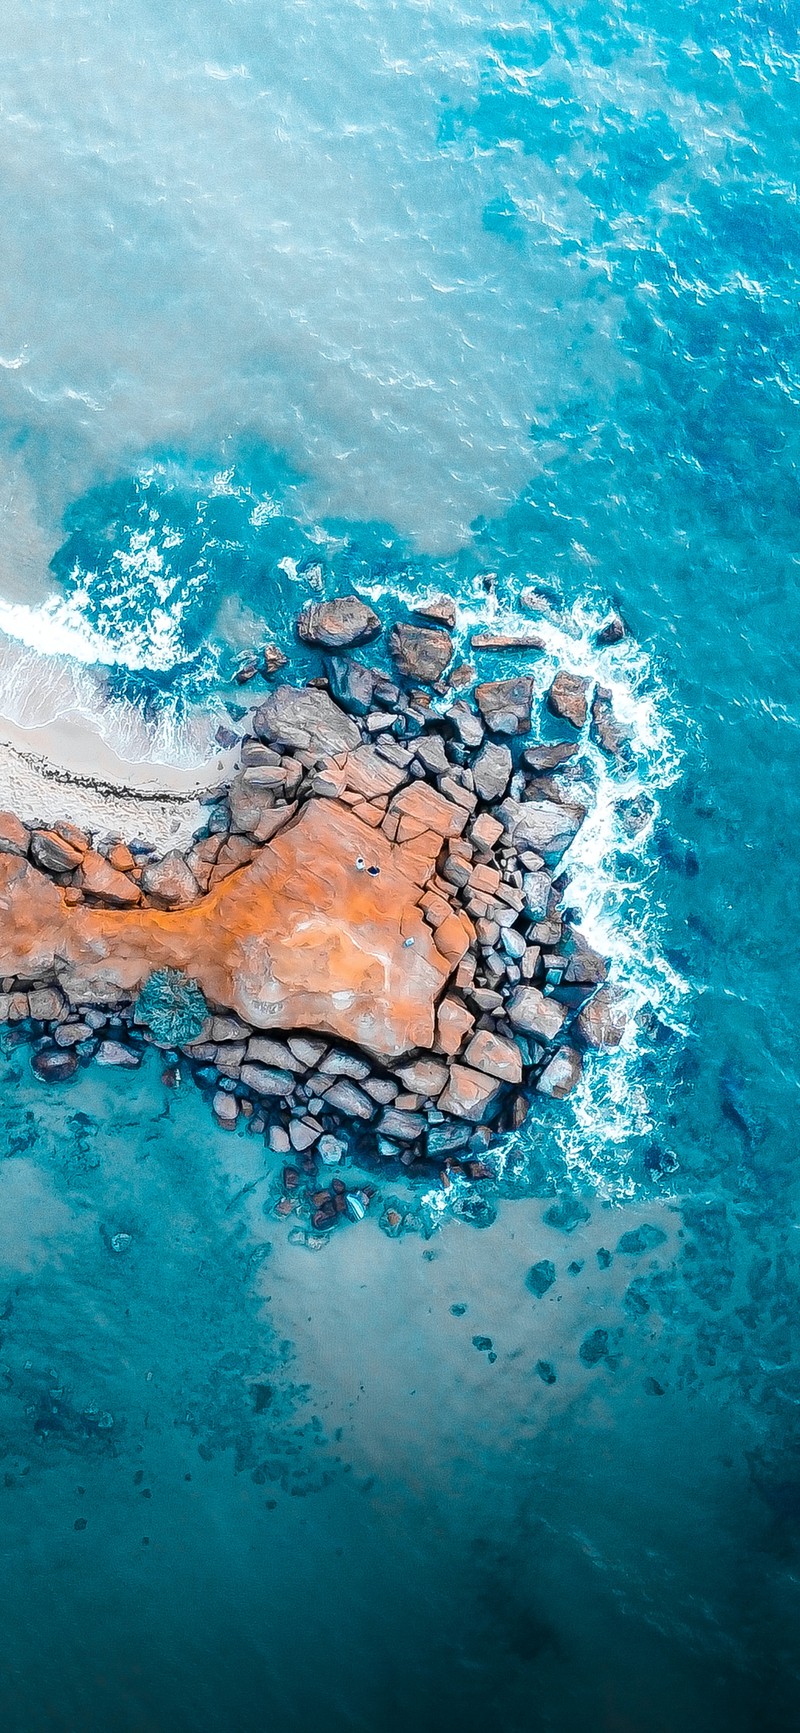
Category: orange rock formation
[302,938]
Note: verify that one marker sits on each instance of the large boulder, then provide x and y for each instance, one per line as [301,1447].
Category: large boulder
[468,726]
[97,878]
[351,683]
[607,732]
[306,719]
[496,1055]
[612,631]
[602,1022]
[441,609]
[54,1065]
[15,837]
[492,771]
[505,705]
[545,758]
[337,624]
[544,826]
[567,698]
[530,1011]
[561,1073]
[469,1094]
[170,883]
[53,853]
[420,652]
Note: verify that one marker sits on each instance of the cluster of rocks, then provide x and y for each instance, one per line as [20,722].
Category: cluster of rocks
[475,815]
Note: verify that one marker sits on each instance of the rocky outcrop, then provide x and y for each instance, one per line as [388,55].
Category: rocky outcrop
[302,938]
[368,942]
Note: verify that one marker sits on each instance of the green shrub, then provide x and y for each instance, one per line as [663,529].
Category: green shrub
[172,1007]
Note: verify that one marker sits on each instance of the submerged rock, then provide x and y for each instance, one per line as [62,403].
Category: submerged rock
[639,1240]
[54,1065]
[541,1277]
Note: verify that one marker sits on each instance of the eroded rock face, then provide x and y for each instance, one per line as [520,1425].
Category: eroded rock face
[14,837]
[301,938]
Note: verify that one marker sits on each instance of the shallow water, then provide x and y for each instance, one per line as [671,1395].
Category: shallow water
[301,298]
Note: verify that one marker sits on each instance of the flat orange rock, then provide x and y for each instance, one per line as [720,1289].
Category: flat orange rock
[301,938]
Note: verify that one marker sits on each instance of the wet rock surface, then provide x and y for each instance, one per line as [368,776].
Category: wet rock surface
[339,623]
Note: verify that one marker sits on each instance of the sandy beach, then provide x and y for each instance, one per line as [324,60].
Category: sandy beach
[64,769]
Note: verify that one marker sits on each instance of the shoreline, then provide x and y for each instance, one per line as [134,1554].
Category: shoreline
[64,769]
[365,947]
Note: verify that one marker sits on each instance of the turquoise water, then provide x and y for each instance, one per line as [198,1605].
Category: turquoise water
[398,297]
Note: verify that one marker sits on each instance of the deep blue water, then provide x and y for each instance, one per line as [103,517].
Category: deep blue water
[309,298]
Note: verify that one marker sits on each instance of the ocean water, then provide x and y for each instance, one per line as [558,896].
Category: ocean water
[304,297]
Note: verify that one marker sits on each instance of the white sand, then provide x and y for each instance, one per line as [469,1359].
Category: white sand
[64,769]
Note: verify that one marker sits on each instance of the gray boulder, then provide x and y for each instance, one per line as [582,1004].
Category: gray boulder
[420,652]
[533,1014]
[351,683]
[561,1073]
[505,705]
[611,736]
[603,1021]
[492,771]
[544,826]
[567,698]
[335,625]
[307,719]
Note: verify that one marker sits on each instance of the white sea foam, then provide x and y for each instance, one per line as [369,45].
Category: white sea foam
[613,876]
